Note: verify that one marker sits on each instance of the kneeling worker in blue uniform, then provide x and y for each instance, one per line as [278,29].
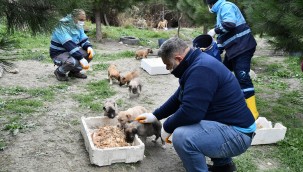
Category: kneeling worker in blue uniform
[70,48]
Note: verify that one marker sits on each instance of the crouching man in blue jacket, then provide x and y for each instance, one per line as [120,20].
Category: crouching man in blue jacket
[207,114]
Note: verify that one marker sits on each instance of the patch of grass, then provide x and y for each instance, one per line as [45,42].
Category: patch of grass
[75,122]
[22,106]
[280,104]
[115,56]
[96,93]
[100,67]
[2,144]
[290,150]
[18,103]
[44,93]
[245,162]
[120,102]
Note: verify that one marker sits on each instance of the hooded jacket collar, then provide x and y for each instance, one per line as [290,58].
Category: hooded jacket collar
[186,62]
[217,5]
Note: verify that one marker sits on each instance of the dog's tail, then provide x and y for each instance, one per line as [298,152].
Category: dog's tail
[135,73]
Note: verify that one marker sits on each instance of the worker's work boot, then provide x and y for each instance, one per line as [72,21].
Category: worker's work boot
[77,75]
[60,76]
[231,167]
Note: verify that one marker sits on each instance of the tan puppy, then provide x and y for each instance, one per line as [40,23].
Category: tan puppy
[129,115]
[162,24]
[110,108]
[143,53]
[113,73]
[128,77]
[134,87]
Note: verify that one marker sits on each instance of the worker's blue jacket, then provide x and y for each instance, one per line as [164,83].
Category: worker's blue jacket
[234,34]
[68,37]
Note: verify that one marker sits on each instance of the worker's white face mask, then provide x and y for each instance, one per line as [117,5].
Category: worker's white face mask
[80,24]
[209,9]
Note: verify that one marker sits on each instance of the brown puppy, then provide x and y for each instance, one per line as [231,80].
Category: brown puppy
[134,87]
[143,131]
[113,73]
[143,53]
[110,108]
[162,24]
[128,77]
[129,115]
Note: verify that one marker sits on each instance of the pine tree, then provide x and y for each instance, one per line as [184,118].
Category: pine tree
[282,20]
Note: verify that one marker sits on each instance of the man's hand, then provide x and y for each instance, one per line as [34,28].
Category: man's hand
[165,136]
[90,52]
[84,63]
[146,118]
[211,32]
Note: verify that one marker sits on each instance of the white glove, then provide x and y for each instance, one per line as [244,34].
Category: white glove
[165,136]
[90,52]
[146,118]
[84,63]
[211,32]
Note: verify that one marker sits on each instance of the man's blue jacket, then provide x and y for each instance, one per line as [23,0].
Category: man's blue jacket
[207,91]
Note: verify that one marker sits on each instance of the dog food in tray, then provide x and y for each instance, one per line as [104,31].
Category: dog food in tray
[108,155]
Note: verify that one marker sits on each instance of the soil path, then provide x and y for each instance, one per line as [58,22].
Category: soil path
[55,143]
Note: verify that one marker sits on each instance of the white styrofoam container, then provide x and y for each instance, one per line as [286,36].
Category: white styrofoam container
[108,156]
[154,66]
[268,134]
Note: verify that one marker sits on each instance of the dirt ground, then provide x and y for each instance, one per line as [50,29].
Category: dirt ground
[56,145]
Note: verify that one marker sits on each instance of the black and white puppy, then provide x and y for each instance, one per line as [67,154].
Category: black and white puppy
[110,108]
[134,87]
[143,131]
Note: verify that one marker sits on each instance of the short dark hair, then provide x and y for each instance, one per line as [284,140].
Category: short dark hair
[211,1]
[172,46]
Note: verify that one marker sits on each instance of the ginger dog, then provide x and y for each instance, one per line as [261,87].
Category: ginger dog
[128,77]
[143,53]
[134,87]
[129,115]
[113,73]
[162,24]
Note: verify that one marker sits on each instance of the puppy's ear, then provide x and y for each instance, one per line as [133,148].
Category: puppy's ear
[128,116]
[134,130]
[104,108]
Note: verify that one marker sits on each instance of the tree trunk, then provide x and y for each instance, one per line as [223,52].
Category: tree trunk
[179,25]
[205,30]
[105,19]
[98,25]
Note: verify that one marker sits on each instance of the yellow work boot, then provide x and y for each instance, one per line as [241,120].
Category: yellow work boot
[251,104]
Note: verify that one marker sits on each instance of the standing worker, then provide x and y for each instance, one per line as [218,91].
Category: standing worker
[207,114]
[70,48]
[235,37]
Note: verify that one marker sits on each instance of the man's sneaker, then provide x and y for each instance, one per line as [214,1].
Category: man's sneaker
[77,75]
[231,167]
[60,76]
